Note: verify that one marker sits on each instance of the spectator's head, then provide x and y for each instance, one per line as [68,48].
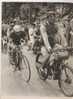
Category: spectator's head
[65,18]
[37,22]
[5,21]
[51,16]
[17,21]
[43,19]
[32,25]
[11,24]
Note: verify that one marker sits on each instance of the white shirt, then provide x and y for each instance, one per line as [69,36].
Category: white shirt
[31,32]
[17,28]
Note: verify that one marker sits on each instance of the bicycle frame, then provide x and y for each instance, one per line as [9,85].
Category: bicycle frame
[18,55]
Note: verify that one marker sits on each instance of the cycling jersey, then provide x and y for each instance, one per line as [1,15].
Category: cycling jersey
[17,36]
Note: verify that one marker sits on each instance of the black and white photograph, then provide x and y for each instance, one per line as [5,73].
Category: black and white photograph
[37,49]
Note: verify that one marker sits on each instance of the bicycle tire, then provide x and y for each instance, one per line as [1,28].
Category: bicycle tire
[61,83]
[26,62]
[42,77]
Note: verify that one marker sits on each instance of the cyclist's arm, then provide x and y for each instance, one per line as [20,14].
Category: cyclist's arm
[45,37]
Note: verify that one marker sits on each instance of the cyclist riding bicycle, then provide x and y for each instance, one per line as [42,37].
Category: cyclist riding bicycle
[51,39]
[15,37]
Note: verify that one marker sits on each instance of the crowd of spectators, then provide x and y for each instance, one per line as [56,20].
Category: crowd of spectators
[64,27]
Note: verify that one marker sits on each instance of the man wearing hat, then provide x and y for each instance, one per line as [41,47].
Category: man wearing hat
[48,32]
[15,36]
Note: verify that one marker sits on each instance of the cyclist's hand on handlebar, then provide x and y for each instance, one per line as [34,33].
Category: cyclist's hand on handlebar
[49,50]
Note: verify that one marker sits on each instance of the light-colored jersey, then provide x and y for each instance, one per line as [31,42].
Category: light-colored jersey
[18,28]
[31,32]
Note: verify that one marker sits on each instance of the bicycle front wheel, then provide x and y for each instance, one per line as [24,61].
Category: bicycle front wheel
[66,81]
[25,69]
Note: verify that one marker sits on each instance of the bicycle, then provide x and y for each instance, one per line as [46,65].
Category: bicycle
[60,71]
[21,63]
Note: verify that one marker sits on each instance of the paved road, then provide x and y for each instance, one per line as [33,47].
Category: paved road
[13,84]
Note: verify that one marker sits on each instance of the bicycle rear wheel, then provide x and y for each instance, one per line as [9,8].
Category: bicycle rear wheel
[25,69]
[66,81]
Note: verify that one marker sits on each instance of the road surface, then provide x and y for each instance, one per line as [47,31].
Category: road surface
[13,84]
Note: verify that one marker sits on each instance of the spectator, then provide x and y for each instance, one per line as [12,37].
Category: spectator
[5,26]
[31,38]
[10,29]
[67,28]
[71,33]
[60,37]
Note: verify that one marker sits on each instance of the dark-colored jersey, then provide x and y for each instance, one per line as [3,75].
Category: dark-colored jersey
[16,37]
[51,32]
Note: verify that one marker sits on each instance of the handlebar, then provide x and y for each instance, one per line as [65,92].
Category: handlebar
[69,49]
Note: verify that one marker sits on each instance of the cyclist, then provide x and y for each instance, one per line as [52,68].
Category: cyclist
[48,31]
[51,39]
[15,37]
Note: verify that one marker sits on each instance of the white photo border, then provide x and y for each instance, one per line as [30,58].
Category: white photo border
[26,97]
